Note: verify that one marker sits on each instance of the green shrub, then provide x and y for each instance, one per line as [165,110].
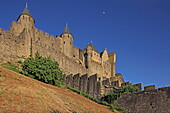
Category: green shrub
[129,89]
[43,69]
[20,61]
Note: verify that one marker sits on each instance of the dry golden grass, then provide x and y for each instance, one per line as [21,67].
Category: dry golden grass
[21,94]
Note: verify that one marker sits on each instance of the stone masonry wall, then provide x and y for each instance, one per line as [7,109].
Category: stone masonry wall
[12,47]
[151,101]
[15,48]
[88,84]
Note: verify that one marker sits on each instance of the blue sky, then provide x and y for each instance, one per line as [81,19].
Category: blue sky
[137,30]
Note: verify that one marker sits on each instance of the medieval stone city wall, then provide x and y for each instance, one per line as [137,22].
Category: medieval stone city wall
[91,84]
[148,101]
[47,45]
[15,48]
[11,46]
[88,84]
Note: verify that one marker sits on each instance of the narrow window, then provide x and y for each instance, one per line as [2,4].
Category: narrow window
[23,17]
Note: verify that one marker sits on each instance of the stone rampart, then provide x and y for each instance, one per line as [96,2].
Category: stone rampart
[92,85]
[151,101]
[88,84]
[30,41]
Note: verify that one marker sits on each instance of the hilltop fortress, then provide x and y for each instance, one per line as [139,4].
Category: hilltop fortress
[86,70]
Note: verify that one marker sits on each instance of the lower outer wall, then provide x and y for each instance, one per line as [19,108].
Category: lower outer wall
[153,101]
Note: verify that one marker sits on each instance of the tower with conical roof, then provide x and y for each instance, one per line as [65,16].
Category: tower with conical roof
[26,18]
[67,42]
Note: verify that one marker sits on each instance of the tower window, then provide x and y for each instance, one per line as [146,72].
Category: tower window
[68,36]
[29,18]
[64,42]
[23,17]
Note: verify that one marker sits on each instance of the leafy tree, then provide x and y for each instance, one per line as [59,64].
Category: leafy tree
[42,69]
[130,88]
[110,98]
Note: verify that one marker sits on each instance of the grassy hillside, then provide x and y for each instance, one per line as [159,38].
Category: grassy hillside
[22,94]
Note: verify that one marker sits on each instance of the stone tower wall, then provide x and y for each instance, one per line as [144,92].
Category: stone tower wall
[26,20]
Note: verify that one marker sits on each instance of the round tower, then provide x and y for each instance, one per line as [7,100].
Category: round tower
[67,42]
[88,55]
[67,35]
[26,18]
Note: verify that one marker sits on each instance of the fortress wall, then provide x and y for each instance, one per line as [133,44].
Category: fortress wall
[105,56]
[69,80]
[76,81]
[19,47]
[95,67]
[16,28]
[112,60]
[115,83]
[96,57]
[71,66]
[9,46]
[83,83]
[81,56]
[107,69]
[90,85]
[152,101]
[75,53]
[78,54]
[98,92]
[106,82]
[47,45]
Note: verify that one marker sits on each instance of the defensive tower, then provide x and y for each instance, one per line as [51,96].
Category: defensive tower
[26,19]
[67,42]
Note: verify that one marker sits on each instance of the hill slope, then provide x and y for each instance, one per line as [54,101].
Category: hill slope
[19,93]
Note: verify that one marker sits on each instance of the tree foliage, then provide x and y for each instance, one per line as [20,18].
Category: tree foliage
[42,69]
[110,98]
